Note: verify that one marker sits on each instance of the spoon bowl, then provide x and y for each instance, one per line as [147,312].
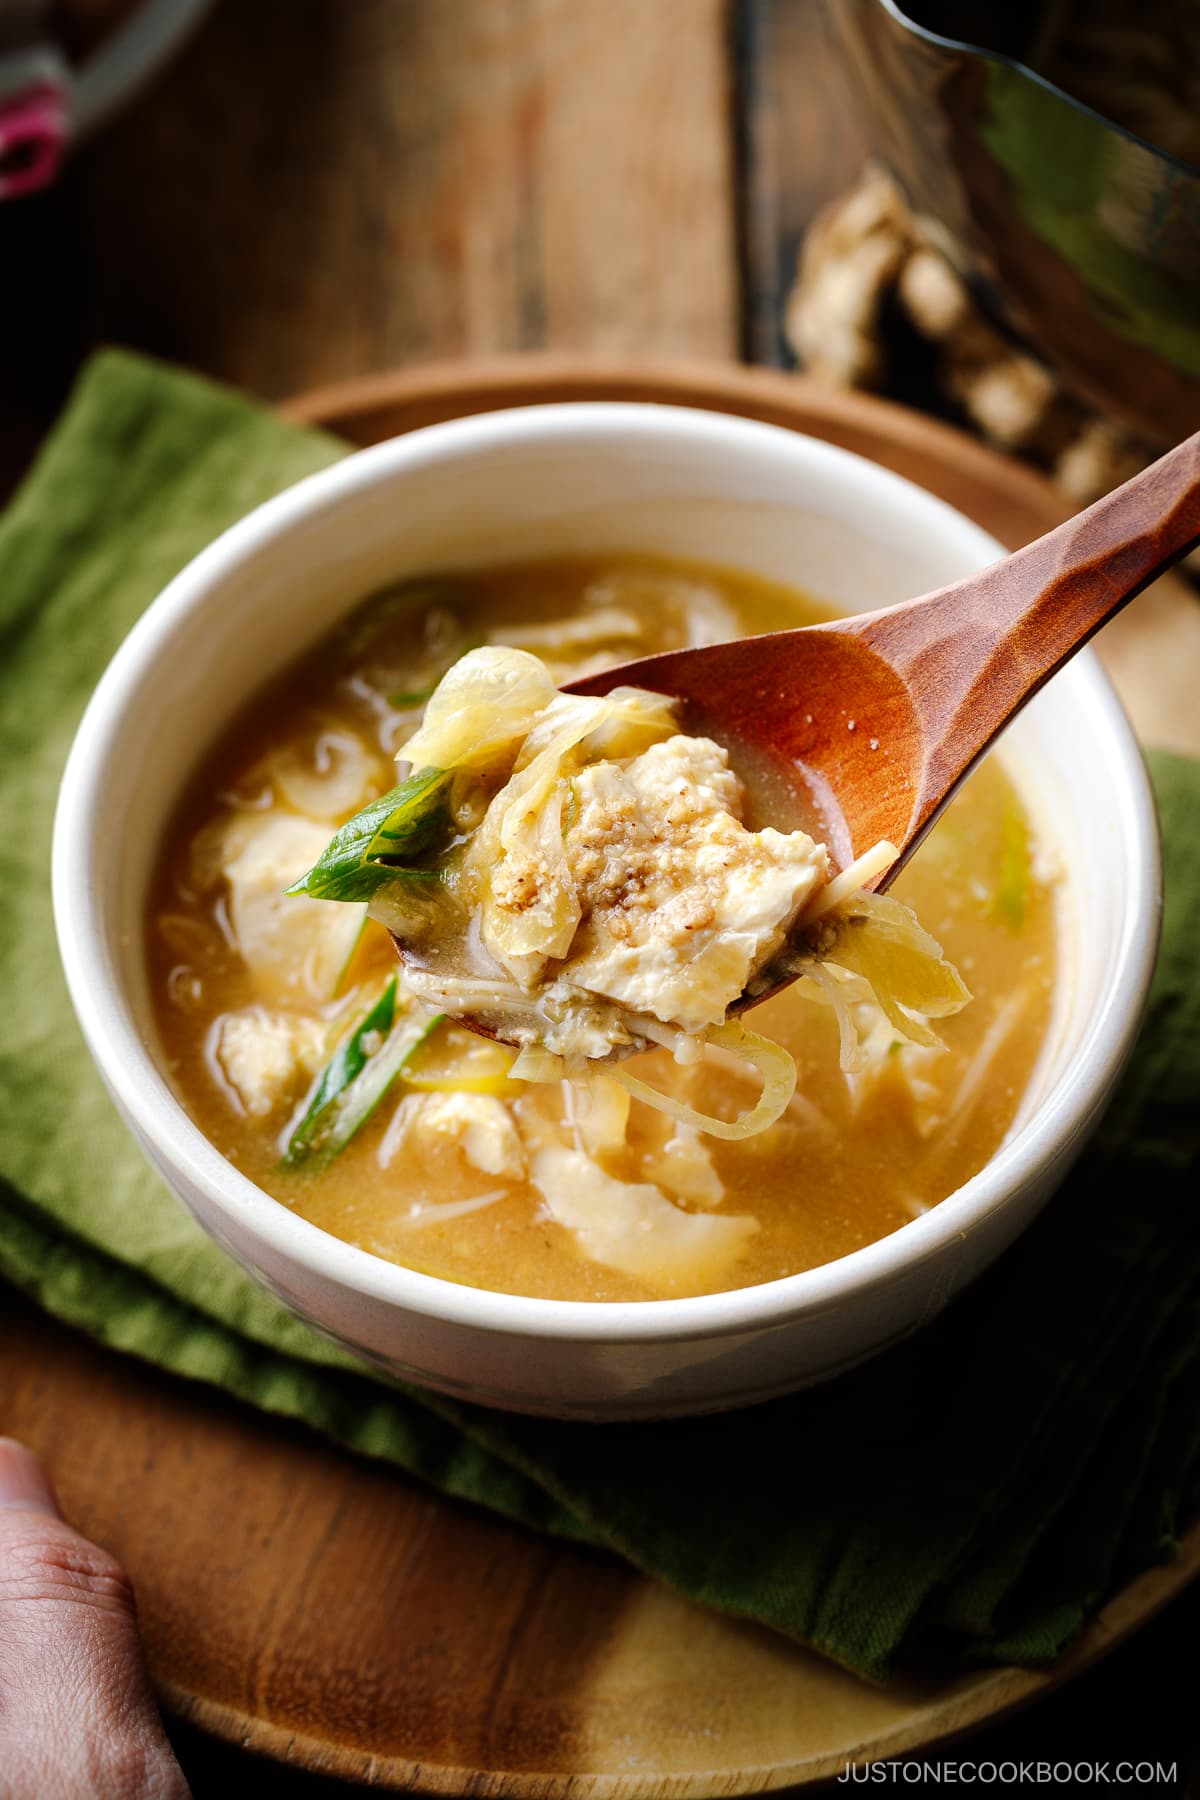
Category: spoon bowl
[799,711]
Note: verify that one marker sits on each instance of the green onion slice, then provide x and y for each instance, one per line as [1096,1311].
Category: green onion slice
[411,697]
[1014,891]
[418,696]
[374,617]
[356,1078]
[371,849]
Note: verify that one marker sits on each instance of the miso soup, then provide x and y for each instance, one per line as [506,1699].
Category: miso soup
[266,1002]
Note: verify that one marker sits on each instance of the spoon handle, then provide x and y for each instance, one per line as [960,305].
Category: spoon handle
[973,653]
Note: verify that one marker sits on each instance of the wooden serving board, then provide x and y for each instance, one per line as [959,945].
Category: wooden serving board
[331,1613]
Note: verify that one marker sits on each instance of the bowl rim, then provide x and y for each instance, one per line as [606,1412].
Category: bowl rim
[164,1129]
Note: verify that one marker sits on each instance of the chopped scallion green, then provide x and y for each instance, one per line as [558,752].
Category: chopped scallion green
[344,972]
[1014,888]
[370,850]
[376,615]
[355,1079]
[414,697]
[418,696]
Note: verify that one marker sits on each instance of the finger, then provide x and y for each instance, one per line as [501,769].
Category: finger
[24,1484]
[77,1713]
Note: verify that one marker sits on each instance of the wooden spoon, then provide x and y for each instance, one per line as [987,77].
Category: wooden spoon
[864,728]
[870,724]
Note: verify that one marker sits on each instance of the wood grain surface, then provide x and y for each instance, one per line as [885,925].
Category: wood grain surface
[329,1614]
[332,1614]
[318,189]
[438,180]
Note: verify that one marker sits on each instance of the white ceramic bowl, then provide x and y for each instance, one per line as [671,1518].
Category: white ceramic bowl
[545,480]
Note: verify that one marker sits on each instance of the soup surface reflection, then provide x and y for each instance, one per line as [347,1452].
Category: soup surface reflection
[546,1189]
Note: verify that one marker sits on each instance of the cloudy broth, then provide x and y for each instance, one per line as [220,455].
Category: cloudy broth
[253,994]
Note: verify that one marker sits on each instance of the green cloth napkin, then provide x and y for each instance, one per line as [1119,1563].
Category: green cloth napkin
[971,1496]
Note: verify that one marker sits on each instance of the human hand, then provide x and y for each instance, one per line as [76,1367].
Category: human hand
[78,1720]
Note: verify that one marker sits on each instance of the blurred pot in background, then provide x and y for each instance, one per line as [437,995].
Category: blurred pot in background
[66,65]
[1052,150]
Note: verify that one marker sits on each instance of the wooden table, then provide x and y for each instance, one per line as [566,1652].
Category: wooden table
[324,188]
[321,188]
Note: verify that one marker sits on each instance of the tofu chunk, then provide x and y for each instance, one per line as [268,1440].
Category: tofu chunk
[681,904]
[267,1057]
[685,1168]
[478,1126]
[295,948]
